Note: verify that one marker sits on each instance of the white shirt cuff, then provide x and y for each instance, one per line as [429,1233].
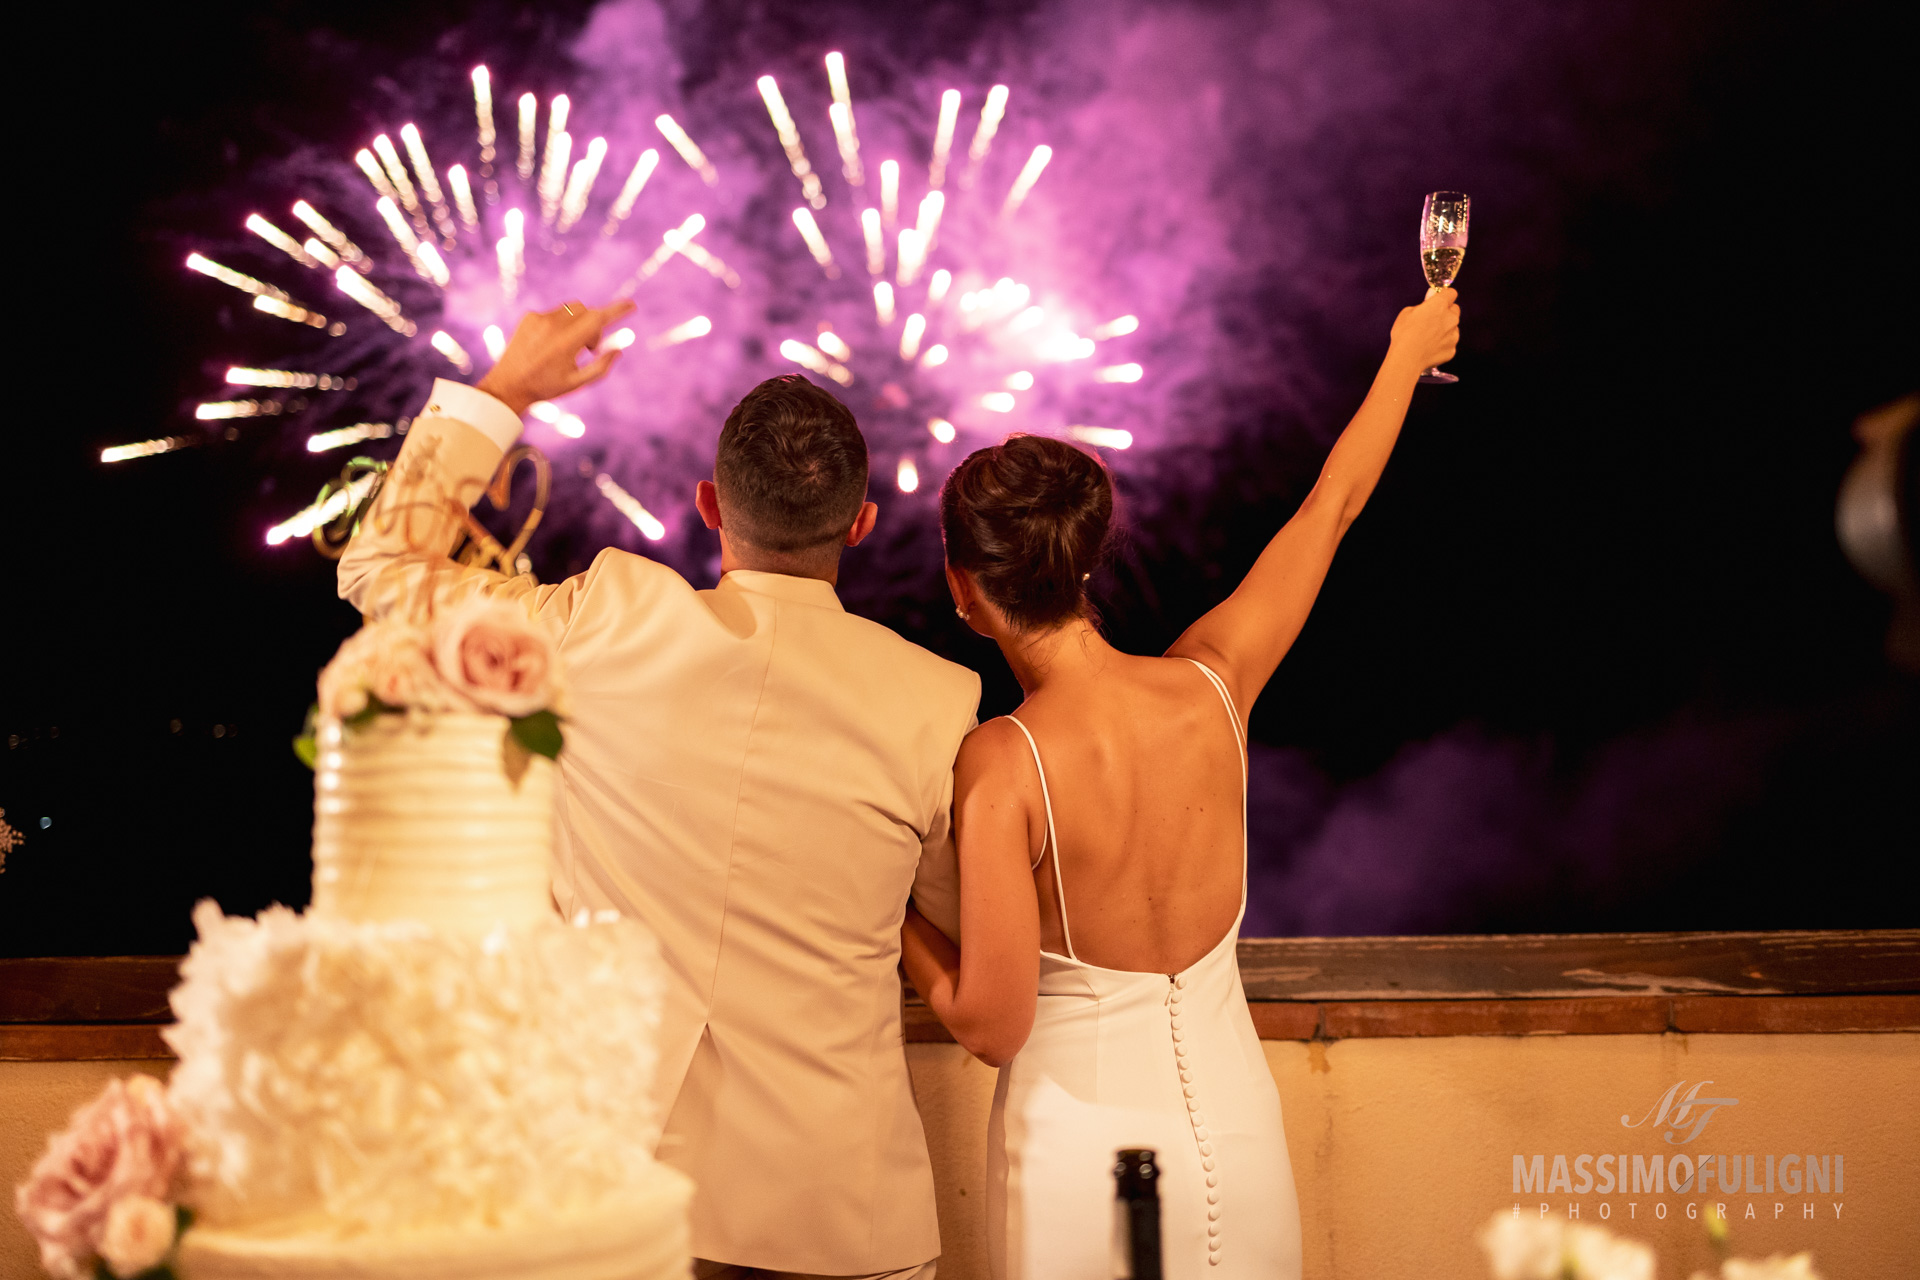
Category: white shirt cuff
[476,408]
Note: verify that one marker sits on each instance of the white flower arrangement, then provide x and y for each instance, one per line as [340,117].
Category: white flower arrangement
[1551,1248]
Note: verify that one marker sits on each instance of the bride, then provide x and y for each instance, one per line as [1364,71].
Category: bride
[1102,855]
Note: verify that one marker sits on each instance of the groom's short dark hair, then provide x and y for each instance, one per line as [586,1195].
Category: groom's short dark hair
[791,468]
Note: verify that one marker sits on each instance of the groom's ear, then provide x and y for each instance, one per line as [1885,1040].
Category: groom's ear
[706,500]
[863,524]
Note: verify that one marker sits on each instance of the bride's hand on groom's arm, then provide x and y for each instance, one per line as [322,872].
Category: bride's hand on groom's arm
[931,960]
[542,359]
[984,990]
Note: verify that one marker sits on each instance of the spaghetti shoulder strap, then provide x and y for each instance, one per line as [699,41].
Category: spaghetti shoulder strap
[1240,742]
[1053,841]
[1233,714]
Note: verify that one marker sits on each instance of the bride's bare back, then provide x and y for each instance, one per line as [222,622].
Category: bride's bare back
[1144,772]
[1143,768]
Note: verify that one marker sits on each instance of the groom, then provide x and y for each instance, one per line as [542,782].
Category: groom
[753,772]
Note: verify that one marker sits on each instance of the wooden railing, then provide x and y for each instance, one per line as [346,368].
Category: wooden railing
[1297,988]
[1571,984]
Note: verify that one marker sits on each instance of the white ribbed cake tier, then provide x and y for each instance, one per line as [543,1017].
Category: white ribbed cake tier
[415,817]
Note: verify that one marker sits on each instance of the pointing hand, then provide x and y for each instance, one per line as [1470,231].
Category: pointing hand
[542,359]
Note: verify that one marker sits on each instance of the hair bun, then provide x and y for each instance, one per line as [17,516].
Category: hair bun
[1029,518]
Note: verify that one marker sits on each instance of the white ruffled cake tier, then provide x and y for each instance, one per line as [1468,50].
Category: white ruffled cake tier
[376,1099]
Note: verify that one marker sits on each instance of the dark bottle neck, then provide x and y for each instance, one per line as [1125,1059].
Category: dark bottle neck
[1137,1206]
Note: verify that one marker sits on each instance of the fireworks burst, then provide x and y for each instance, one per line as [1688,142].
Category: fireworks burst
[909,314]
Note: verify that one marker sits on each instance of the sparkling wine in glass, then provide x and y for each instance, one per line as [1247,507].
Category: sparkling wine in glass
[1443,244]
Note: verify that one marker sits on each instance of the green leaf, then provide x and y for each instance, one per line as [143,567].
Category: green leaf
[307,745]
[538,733]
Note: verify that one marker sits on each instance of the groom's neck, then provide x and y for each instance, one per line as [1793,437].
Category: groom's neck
[825,566]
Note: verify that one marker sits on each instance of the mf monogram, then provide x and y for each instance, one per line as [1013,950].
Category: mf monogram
[1677,1111]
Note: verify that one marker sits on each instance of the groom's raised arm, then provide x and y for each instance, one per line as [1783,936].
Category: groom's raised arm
[450,456]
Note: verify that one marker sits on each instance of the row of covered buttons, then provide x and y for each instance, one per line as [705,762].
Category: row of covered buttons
[1201,1135]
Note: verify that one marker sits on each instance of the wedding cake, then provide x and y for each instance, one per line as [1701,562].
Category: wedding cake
[427,1074]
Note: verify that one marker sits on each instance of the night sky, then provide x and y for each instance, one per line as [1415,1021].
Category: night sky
[1592,659]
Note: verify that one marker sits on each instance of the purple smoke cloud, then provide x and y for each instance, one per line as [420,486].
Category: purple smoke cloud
[1243,178]
[1470,832]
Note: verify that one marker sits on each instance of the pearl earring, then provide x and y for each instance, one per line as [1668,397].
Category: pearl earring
[960,613]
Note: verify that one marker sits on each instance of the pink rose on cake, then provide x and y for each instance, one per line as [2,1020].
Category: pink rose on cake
[492,653]
[94,1192]
[393,662]
[481,655]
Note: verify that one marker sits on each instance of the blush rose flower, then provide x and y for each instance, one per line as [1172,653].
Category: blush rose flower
[138,1236]
[404,676]
[392,661]
[124,1143]
[343,681]
[494,654]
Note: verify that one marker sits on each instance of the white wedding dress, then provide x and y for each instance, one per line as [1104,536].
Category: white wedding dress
[1120,1059]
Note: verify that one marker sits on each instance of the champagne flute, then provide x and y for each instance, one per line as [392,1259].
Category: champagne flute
[1443,244]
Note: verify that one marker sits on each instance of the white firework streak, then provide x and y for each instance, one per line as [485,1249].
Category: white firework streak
[938,311]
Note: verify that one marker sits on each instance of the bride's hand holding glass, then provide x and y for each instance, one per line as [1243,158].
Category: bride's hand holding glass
[1427,334]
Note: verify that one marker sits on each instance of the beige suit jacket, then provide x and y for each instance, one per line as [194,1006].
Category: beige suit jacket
[756,774]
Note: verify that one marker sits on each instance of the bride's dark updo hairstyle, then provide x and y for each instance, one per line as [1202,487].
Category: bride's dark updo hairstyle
[1029,519]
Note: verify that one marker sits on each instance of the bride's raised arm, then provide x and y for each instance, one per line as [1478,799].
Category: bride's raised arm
[1244,637]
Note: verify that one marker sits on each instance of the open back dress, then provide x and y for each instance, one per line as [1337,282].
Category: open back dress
[1121,1059]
